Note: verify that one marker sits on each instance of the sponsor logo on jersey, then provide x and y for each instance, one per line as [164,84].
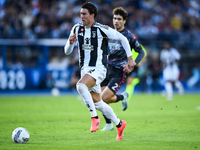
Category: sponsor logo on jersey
[88,47]
[81,34]
[114,46]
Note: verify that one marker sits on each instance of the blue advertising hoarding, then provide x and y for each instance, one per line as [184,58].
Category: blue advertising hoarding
[26,79]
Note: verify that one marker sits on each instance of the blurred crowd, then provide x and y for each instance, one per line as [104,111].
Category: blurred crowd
[54,18]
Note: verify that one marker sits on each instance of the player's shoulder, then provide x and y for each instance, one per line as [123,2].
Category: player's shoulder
[128,33]
[163,51]
[101,26]
[78,25]
[173,49]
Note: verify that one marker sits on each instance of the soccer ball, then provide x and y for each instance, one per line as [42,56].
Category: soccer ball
[20,135]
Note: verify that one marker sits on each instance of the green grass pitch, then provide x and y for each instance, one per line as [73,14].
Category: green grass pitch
[63,123]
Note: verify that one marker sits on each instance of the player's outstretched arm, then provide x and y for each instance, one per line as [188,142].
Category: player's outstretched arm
[115,35]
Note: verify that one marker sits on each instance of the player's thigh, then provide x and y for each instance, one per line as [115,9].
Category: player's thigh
[115,84]
[167,74]
[105,82]
[95,75]
[176,73]
[102,88]
[88,80]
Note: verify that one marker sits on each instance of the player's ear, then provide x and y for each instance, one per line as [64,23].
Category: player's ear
[124,21]
[92,15]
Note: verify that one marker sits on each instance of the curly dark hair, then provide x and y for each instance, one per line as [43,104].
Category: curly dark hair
[120,11]
[90,7]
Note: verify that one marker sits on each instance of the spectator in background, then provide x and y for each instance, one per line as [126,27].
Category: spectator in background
[1,61]
[75,76]
[169,57]
[161,18]
[153,72]
[193,81]
[142,72]
[18,64]
[49,83]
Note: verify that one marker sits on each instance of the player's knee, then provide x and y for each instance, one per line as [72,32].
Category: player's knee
[106,98]
[81,87]
[99,105]
[103,96]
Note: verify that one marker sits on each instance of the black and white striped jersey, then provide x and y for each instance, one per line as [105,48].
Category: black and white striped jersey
[170,56]
[93,43]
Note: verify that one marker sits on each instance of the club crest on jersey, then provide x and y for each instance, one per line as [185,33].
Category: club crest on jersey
[93,34]
[82,29]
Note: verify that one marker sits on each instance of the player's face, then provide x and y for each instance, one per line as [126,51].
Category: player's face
[166,46]
[86,18]
[118,22]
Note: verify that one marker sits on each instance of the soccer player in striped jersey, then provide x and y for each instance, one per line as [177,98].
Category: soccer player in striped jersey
[169,57]
[117,58]
[92,46]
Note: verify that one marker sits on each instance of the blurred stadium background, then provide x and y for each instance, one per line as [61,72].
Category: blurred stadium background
[34,32]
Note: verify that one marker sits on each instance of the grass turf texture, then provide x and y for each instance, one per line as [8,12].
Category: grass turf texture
[64,123]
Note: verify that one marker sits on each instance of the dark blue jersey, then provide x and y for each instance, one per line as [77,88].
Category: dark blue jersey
[117,55]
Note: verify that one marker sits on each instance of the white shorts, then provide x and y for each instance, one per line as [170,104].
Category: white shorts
[171,73]
[98,73]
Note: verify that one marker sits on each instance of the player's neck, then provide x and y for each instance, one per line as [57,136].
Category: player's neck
[89,25]
[119,30]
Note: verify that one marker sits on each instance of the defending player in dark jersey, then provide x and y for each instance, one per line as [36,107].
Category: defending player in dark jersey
[117,58]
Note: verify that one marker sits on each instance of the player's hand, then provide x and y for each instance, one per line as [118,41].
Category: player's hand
[72,38]
[126,68]
[131,63]
[130,66]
